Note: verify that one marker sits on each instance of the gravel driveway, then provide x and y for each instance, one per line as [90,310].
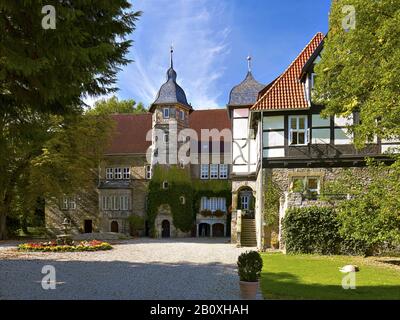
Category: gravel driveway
[134,269]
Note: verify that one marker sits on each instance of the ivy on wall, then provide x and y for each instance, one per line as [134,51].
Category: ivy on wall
[211,188]
[180,185]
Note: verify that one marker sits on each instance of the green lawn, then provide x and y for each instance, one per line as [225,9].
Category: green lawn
[318,277]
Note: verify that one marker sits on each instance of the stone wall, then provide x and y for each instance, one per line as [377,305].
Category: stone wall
[283,176]
[86,209]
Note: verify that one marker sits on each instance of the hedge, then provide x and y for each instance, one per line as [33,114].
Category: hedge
[319,230]
[311,230]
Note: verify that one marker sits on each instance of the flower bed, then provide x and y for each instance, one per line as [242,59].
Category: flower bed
[51,246]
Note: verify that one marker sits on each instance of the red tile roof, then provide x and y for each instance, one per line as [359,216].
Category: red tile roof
[287,92]
[131,129]
[130,133]
[209,119]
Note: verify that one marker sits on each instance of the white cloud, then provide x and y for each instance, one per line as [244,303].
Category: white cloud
[198,30]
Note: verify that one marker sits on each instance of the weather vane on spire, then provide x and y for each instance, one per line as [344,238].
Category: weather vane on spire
[172,52]
[249,63]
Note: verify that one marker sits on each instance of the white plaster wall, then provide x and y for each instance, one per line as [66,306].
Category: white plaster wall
[274,153]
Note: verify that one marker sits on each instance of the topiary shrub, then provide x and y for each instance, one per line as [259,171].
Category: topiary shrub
[249,266]
[311,230]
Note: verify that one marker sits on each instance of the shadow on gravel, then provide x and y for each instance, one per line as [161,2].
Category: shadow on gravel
[21,279]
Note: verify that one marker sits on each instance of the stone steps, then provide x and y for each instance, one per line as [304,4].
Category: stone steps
[248,234]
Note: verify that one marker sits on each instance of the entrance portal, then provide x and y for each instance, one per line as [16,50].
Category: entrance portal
[88,226]
[114,226]
[165,229]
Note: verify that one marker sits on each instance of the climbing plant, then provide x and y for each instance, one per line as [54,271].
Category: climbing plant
[271,203]
[211,188]
[178,184]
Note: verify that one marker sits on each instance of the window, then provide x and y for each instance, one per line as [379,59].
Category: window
[109,173]
[213,204]
[118,173]
[148,172]
[182,199]
[126,173]
[116,202]
[68,203]
[245,202]
[72,203]
[298,130]
[313,78]
[124,203]
[223,171]
[213,171]
[165,185]
[308,185]
[182,115]
[166,113]
[204,171]
[166,137]
[64,204]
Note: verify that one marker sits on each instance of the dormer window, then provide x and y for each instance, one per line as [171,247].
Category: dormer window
[166,113]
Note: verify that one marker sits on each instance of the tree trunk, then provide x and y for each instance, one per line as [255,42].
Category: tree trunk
[3,226]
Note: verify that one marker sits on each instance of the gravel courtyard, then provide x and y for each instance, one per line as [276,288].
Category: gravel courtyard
[134,269]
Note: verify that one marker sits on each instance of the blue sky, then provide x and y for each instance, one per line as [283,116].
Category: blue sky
[211,40]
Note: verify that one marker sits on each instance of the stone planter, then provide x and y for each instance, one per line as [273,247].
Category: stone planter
[248,290]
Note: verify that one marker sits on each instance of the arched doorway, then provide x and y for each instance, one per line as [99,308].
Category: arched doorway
[114,226]
[218,230]
[204,230]
[246,202]
[165,229]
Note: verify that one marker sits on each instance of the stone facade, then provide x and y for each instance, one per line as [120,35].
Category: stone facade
[86,210]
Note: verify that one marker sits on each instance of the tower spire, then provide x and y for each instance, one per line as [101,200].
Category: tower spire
[171,53]
[249,63]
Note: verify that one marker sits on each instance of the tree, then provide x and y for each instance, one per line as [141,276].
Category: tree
[359,69]
[360,72]
[47,72]
[113,105]
[369,219]
[56,155]
[50,70]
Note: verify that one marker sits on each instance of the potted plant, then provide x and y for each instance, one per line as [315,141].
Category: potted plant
[219,213]
[249,268]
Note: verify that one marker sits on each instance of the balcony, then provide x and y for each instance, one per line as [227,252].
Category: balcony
[211,215]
